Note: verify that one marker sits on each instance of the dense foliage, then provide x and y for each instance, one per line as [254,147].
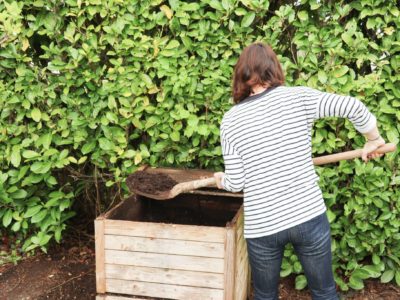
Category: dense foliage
[90,89]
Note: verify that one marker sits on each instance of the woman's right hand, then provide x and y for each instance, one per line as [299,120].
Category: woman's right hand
[369,148]
[218,178]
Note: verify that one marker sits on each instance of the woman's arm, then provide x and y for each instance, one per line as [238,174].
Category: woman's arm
[374,141]
[233,178]
[319,105]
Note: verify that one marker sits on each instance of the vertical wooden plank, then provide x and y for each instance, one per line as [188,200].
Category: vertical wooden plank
[248,281]
[100,258]
[229,267]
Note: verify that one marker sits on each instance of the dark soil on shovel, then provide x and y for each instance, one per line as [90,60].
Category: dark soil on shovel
[149,182]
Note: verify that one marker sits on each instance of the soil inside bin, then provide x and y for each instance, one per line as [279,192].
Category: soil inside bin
[185,209]
[151,183]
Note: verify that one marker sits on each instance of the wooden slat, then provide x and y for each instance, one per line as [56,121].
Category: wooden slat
[239,234]
[158,275]
[238,218]
[163,290]
[229,265]
[209,234]
[177,262]
[155,245]
[241,282]
[115,297]
[99,244]
[241,259]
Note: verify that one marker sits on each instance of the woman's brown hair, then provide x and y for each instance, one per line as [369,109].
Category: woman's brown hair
[257,65]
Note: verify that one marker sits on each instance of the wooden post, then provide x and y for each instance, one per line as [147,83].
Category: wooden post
[229,270]
[100,265]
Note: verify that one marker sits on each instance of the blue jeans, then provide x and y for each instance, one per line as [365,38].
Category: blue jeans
[312,243]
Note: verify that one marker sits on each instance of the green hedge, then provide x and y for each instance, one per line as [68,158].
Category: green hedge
[91,89]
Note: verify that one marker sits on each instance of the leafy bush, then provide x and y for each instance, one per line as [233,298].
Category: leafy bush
[91,89]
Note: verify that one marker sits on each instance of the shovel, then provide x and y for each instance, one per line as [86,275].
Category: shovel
[188,186]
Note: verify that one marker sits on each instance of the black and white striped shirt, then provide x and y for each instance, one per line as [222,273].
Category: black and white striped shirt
[266,145]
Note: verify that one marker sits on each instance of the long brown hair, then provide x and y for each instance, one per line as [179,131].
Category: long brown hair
[257,65]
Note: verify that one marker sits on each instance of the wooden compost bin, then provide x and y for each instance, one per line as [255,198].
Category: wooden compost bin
[190,247]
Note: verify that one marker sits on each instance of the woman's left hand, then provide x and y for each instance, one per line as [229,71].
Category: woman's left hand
[218,177]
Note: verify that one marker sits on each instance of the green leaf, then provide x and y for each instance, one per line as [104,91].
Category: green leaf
[7,217]
[216,4]
[106,144]
[32,211]
[341,71]
[356,283]
[36,114]
[16,226]
[175,136]
[322,76]
[57,234]
[20,194]
[393,135]
[41,167]
[303,15]
[39,216]
[360,274]
[248,19]
[397,278]
[172,45]
[387,276]
[300,282]
[203,129]
[190,6]
[16,158]
[373,270]
[347,38]
[88,147]
[30,154]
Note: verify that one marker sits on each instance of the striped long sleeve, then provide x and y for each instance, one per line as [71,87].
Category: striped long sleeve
[234,174]
[319,105]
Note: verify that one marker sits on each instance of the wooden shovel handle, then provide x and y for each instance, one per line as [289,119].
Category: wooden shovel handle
[184,187]
[351,155]
[196,184]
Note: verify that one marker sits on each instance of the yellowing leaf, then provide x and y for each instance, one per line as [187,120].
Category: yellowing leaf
[36,114]
[82,160]
[340,71]
[72,159]
[167,11]
[138,158]
[25,44]
[389,30]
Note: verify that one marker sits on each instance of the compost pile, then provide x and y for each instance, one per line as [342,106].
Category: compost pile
[151,183]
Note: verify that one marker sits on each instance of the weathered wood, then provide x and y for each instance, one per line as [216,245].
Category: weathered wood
[155,245]
[174,261]
[229,264]
[216,193]
[163,290]
[238,216]
[115,297]
[209,234]
[99,244]
[167,276]
[156,260]
[241,261]
[129,209]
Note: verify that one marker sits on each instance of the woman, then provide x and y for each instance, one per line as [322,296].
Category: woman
[266,145]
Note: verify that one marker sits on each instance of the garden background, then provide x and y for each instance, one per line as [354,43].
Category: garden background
[90,90]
